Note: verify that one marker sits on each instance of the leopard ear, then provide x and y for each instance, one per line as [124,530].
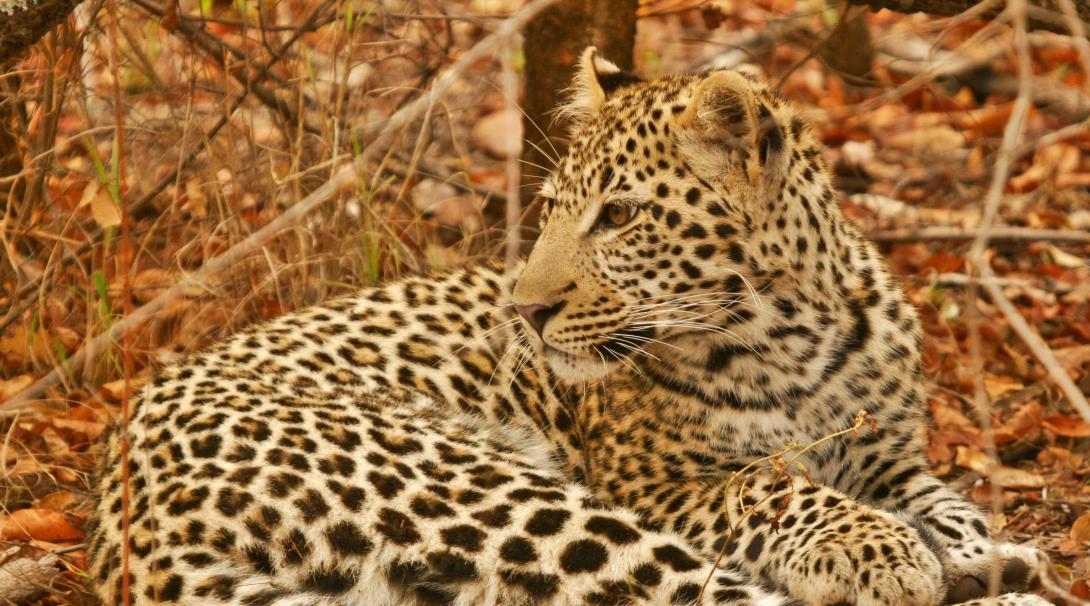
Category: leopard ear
[595,80]
[725,115]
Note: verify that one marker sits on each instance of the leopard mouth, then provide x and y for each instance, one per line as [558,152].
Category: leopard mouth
[596,360]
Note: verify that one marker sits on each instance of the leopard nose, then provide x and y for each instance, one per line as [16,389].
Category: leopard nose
[537,315]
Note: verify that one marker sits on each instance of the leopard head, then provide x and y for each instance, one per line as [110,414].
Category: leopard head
[653,220]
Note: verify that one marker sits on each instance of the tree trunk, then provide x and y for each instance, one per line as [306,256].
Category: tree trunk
[26,21]
[553,43]
[1043,14]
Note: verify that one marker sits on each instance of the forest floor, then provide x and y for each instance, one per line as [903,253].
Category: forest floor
[201,163]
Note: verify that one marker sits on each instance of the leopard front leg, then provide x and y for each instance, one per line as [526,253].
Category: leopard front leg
[825,548]
[812,542]
[956,527]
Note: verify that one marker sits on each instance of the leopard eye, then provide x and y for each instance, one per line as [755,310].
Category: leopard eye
[615,215]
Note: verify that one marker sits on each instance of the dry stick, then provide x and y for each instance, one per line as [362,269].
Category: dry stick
[1078,34]
[510,84]
[1016,10]
[22,295]
[1013,130]
[994,234]
[1071,131]
[218,51]
[345,177]
[125,262]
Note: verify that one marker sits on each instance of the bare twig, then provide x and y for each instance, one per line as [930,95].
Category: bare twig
[22,301]
[218,51]
[345,177]
[1077,28]
[977,260]
[24,579]
[510,86]
[994,234]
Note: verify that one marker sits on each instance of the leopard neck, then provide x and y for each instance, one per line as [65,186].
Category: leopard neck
[817,346]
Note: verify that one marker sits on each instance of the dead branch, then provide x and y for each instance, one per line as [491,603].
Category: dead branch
[341,179]
[995,234]
[1042,14]
[21,299]
[976,258]
[218,52]
[26,21]
[24,579]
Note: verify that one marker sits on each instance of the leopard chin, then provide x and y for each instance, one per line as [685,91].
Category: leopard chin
[573,368]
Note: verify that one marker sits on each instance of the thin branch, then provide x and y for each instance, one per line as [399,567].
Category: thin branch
[977,260]
[218,51]
[343,178]
[994,234]
[510,83]
[22,300]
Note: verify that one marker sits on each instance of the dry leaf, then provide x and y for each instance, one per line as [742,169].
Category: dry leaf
[1080,589]
[971,458]
[998,386]
[151,283]
[1054,455]
[942,142]
[40,524]
[1065,259]
[1069,427]
[196,203]
[1080,530]
[1000,475]
[500,133]
[91,429]
[14,385]
[1073,357]
[1009,477]
[1019,424]
[104,211]
[116,389]
[62,500]
[946,415]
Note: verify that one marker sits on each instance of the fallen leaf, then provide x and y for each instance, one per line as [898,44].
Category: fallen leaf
[1000,475]
[1073,357]
[946,415]
[1019,424]
[104,211]
[500,133]
[1054,455]
[942,141]
[998,386]
[14,385]
[40,524]
[973,459]
[1069,427]
[116,389]
[1080,589]
[62,500]
[1065,259]
[1068,547]
[152,282]
[195,202]
[1009,477]
[442,203]
[982,493]
[1080,530]
[91,429]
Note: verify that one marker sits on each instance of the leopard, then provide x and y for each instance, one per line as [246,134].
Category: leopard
[702,386]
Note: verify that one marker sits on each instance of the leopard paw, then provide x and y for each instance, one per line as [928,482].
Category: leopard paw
[1011,599]
[867,571]
[969,569]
